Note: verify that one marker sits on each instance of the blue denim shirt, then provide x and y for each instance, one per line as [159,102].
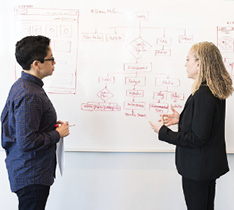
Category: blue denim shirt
[28,134]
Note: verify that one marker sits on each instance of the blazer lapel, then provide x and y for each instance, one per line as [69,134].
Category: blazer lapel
[187,102]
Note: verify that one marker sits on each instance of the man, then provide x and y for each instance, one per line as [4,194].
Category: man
[28,119]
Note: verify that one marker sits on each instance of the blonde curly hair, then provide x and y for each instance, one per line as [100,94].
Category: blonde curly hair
[212,70]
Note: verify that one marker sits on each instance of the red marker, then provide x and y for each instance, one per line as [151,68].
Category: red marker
[57,125]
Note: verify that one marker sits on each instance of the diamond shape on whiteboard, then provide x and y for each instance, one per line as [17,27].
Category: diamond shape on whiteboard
[138,47]
[105,94]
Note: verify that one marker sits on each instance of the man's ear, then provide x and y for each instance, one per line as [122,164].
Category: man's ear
[36,65]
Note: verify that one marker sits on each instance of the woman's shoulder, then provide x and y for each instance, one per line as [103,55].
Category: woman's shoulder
[205,93]
[203,89]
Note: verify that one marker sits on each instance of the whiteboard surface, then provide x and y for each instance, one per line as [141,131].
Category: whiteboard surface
[118,64]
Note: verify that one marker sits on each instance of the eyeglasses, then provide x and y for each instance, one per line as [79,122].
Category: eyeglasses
[50,59]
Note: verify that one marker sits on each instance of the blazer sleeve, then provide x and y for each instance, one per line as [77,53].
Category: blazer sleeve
[203,109]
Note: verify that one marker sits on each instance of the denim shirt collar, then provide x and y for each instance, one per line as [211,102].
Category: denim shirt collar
[32,78]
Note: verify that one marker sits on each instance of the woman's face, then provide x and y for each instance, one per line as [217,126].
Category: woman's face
[192,65]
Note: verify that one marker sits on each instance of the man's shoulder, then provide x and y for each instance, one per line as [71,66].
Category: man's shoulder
[20,89]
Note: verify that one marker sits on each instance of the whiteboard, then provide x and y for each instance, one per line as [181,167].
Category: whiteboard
[119,64]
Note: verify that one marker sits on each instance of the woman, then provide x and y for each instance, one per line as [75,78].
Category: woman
[200,141]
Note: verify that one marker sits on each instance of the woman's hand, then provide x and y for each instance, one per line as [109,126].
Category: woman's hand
[170,119]
[156,126]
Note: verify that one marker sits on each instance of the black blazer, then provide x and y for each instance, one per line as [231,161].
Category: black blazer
[200,140]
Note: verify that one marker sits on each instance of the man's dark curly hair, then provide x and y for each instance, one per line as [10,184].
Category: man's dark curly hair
[31,48]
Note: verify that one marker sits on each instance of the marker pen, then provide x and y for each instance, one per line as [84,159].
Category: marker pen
[57,125]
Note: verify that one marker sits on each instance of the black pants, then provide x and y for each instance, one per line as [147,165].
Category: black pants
[199,195]
[33,197]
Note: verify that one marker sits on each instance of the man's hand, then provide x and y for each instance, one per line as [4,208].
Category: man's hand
[63,129]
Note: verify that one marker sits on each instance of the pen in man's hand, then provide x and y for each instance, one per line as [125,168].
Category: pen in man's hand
[57,125]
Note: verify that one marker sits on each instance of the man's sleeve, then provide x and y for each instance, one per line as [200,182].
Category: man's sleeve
[28,114]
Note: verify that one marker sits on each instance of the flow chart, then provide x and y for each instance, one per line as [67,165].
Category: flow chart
[134,76]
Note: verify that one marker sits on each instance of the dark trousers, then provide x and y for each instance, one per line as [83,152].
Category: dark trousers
[33,197]
[199,195]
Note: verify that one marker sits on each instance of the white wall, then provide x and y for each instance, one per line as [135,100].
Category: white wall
[119,181]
